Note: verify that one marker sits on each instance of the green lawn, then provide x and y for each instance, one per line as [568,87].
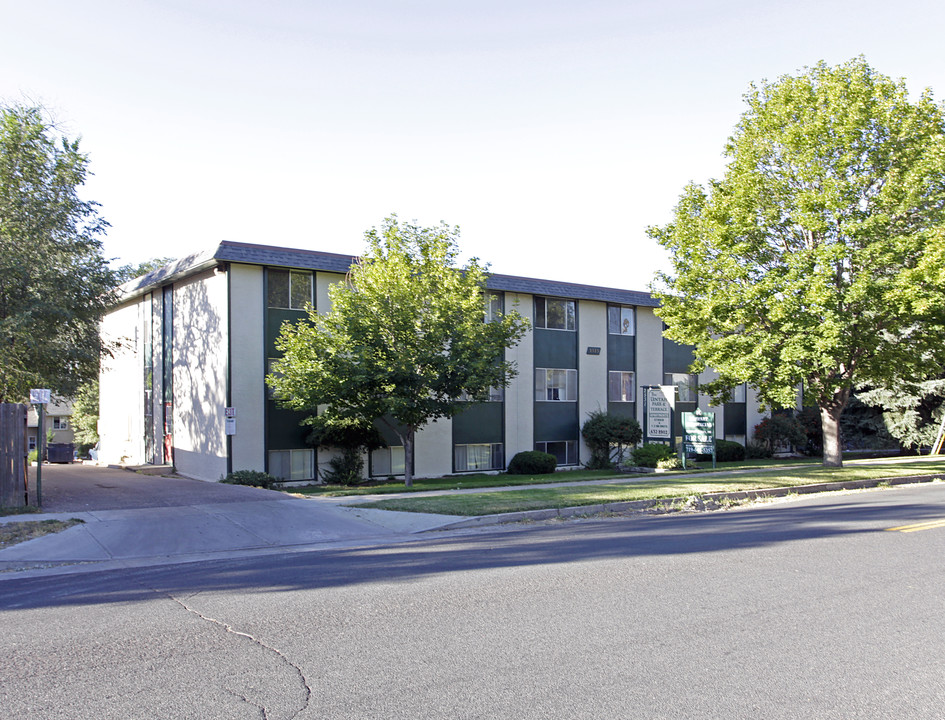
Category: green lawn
[648,487]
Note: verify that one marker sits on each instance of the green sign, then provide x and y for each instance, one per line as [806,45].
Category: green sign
[698,434]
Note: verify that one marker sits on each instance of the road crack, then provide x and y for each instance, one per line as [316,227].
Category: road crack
[259,643]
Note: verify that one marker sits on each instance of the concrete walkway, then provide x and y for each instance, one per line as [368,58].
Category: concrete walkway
[132,519]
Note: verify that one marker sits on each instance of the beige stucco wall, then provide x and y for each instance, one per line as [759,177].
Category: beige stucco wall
[433,449]
[200,375]
[592,369]
[520,395]
[247,371]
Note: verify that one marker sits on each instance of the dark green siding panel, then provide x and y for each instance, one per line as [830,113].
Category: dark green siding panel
[283,429]
[621,352]
[274,320]
[622,409]
[480,423]
[676,358]
[556,421]
[736,420]
[555,349]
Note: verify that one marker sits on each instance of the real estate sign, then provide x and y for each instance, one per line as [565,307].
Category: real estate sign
[698,434]
[658,404]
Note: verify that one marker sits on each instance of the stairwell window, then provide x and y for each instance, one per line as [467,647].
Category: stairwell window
[555,385]
[554,314]
[289,289]
[622,387]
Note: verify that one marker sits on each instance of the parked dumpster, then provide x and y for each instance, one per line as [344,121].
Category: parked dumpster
[60,452]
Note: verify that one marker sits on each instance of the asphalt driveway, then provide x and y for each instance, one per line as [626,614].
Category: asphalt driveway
[132,518]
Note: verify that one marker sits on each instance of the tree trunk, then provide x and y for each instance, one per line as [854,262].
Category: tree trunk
[408,457]
[830,413]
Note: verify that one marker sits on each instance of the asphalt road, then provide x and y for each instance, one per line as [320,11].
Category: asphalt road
[808,609]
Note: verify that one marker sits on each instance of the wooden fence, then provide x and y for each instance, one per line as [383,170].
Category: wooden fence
[13,477]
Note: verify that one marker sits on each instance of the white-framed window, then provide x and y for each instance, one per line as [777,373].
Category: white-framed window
[555,385]
[687,386]
[565,451]
[554,314]
[60,423]
[621,320]
[31,443]
[493,306]
[496,394]
[739,393]
[292,464]
[388,461]
[289,289]
[479,456]
[621,386]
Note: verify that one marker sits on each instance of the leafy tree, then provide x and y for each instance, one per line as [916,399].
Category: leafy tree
[817,260]
[405,341]
[85,416]
[912,411]
[604,432]
[130,272]
[54,283]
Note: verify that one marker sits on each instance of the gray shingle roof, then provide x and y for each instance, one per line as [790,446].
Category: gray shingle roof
[271,256]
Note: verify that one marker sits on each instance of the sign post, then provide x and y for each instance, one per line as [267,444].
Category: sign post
[698,434]
[40,397]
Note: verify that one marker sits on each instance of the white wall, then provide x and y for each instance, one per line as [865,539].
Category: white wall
[200,375]
[248,368]
[121,388]
[520,395]
[649,353]
[592,369]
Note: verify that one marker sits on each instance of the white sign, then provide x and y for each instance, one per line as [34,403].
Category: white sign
[40,397]
[229,412]
[230,426]
[659,412]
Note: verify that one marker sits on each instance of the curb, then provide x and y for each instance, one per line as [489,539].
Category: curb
[642,505]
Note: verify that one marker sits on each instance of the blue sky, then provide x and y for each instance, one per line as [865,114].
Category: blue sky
[553,133]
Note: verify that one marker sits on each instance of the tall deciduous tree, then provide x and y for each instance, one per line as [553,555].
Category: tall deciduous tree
[54,283]
[816,260]
[406,340]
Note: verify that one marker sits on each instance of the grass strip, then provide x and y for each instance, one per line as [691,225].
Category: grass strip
[16,532]
[649,487]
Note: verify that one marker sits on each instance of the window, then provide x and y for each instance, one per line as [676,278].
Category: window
[738,393]
[621,320]
[554,314]
[388,461]
[553,385]
[60,423]
[622,386]
[290,289]
[31,442]
[687,386]
[481,456]
[495,394]
[292,464]
[493,306]
[565,451]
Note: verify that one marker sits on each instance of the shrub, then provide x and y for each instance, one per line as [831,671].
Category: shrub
[256,478]
[604,432]
[781,430]
[757,451]
[728,451]
[650,454]
[532,462]
[345,469]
